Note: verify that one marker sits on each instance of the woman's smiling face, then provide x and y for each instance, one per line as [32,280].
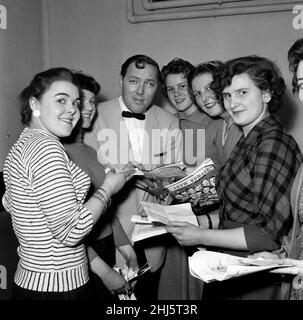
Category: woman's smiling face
[59,108]
[178,91]
[204,95]
[88,108]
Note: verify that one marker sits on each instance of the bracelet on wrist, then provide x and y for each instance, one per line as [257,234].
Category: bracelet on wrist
[105,195]
[210,223]
[105,192]
[99,196]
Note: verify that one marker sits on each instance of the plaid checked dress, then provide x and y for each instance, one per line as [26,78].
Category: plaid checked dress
[254,189]
[254,185]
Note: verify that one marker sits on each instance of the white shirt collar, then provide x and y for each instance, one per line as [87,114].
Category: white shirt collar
[135,129]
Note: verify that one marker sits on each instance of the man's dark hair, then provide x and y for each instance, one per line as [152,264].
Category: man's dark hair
[140,61]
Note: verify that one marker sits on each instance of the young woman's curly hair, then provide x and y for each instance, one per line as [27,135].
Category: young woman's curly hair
[263,72]
[295,56]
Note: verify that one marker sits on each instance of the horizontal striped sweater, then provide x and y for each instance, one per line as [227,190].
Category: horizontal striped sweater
[45,192]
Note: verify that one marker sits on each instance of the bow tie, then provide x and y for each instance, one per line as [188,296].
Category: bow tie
[127,114]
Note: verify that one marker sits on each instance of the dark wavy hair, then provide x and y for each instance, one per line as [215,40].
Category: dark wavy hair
[262,71]
[39,85]
[175,66]
[88,83]
[140,61]
[213,67]
[295,56]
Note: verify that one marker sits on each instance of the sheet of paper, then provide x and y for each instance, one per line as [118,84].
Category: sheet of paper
[144,231]
[136,218]
[158,216]
[164,214]
[126,273]
[211,266]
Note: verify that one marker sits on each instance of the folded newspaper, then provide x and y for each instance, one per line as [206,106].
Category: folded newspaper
[211,266]
[157,217]
[197,188]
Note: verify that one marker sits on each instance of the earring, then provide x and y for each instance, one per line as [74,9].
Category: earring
[266,97]
[36,113]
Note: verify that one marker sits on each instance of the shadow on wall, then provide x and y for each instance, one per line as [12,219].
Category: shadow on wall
[159,99]
[8,250]
[288,112]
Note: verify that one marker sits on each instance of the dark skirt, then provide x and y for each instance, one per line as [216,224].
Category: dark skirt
[105,248]
[257,286]
[82,293]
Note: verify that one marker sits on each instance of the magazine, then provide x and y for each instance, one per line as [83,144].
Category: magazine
[157,217]
[211,266]
[197,188]
[158,176]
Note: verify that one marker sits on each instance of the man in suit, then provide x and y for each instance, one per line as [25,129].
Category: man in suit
[132,128]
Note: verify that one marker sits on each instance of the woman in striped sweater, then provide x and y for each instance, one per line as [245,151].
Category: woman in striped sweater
[46,191]
[108,234]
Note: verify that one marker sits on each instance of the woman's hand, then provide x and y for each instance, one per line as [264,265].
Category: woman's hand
[114,182]
[131,261]
[185,233]
[130,256]
[296,267]
[265,255]
[145,184]
[114,282]
[133,165]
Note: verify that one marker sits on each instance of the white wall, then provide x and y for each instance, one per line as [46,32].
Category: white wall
[95,36]
[20,57]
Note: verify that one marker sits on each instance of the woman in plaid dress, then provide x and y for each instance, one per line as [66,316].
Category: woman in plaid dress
[254,184]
